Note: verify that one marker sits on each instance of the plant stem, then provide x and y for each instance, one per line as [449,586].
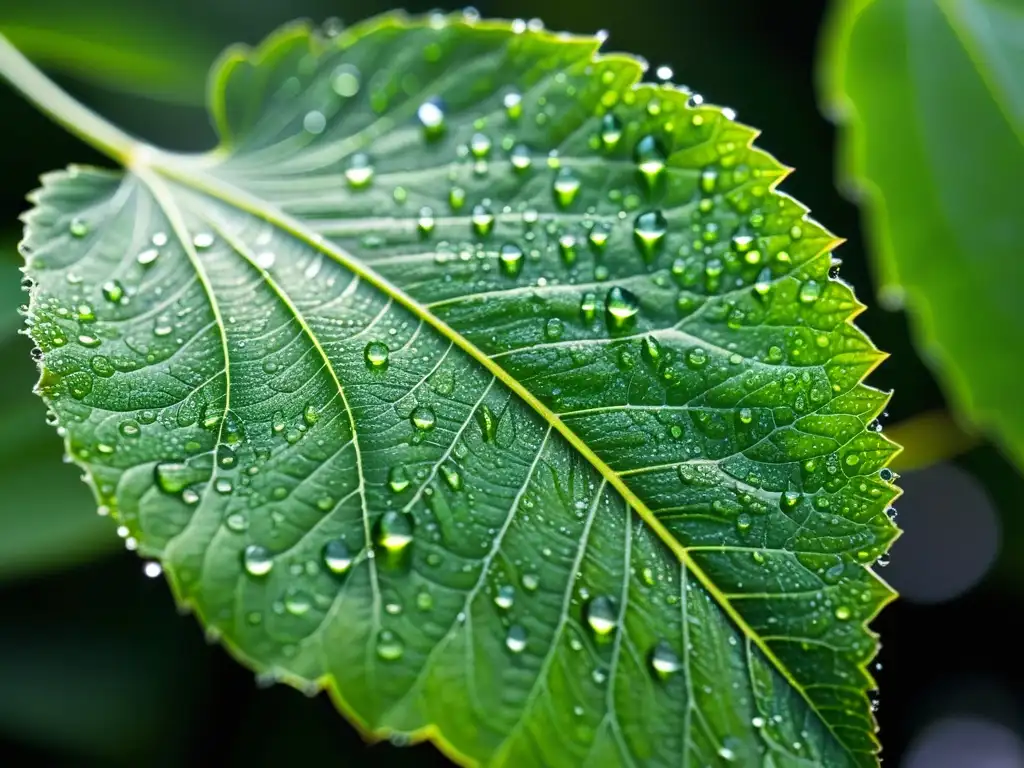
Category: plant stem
[78,119]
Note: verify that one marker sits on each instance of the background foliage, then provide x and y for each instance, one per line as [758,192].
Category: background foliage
[87,642]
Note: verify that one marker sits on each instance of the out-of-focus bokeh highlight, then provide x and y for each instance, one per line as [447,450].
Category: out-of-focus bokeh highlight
[97,669]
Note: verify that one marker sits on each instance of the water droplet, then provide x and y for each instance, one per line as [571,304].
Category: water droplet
[152,569]
[566,186]
[337,557]
[621,305]
[480,145]
[78,228]
[297,602]
[359,172]
[257,560]
[810,292]
[482,220]
[553,329]
[113,291]
[452,477]
[843,613]
[505,596]
[530,582]
[394,531]
[789,499]
[588,306]
[611,132]
[148,256]
[425,222]
[650,159]
[520,157]
[129,428]
[649,230]
[598,236]
[202,241]
[696,357]
[746,415]
[602,616]
[314,122]
[423,417]
[310,414]
[265,259]
[345,81]
[376,354]
[456,198]
[511,258]
[488,423]
[567,245]
[515,640]
[652,349]
[398,478]
[89,341]
[664,73]
[431,117]
[513,105]
[664,661]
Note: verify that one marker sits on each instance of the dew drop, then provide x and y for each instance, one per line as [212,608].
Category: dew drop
[650,159]
[696,357]
[314,122]
[598,236]
[425,222]
[520,157]
[345,81]
[129,428]
[480,145]
[148,256]
[202,241]
[78,228]
[664,661]
[488,423]
[452,477]
[842,613]
[810,292]
[513,103]
[431,117]
[423,418]
[511,258]
[337,557]
[553,329]
[515,640]
[265,259]
[394,531]
[649,231]
[257,560]
[567,245]
[588,306]
[376,354]
[611,132]
[789,499]
[456,198]
[621,305]
[566,186]
[359,172]
[505,597]
[398,478]
[482,220]
[113,291]
[602,615]
[530,582]
[389,646]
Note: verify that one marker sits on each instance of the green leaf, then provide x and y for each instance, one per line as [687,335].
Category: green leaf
[496,393]
[46,520]
[934,142]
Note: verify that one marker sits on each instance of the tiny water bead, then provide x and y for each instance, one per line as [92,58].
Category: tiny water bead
[202,240]
[394,531]
[505,597]
[649,231]
[147,257]
[650,159]
[513,103]
[567,246]
[376,354]
[359,172]
[425,222]
[337,557]
[511,258]
[113,291]
[566,187]
[602,616]
[611,132]
[810,292]
[588,306]
[431,117]
[423,418]
[389,646]
[664,661]
[515,640]
[398,479]
[456,198]
[78,228]
[480,145]
[257,560]
[452,477]
[621,305]
[520,157]
[842,613]
[482,220]
[553,329]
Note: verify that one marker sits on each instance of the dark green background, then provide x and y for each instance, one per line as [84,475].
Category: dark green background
[96,668]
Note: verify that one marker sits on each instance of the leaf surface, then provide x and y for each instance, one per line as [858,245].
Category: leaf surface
[494,391]
[933,106]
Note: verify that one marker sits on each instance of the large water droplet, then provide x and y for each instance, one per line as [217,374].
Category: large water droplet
[621,305]
[482,220]
[78,228]
[566,186]
[511,258]
[398,478]
[425,222]
[588,306]
[431,117]
[513,105]
[376,354]
[337,557]
[452,477]
[515,640]
[602,616]
[359,172]
[423,417]
[664,661]
[113,291]
[480,145]
[520,157]
[810,292]
[611,132]
[257,560]
[598,236]
[649,231]
[488,423]
[394,531]
[650,159]
[505,596]
[389,646]
[148,256]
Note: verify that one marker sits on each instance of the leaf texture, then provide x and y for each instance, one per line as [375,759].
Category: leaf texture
[490,389]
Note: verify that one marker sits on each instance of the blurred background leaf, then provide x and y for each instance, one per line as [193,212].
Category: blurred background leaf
[123,46]
[932,102]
